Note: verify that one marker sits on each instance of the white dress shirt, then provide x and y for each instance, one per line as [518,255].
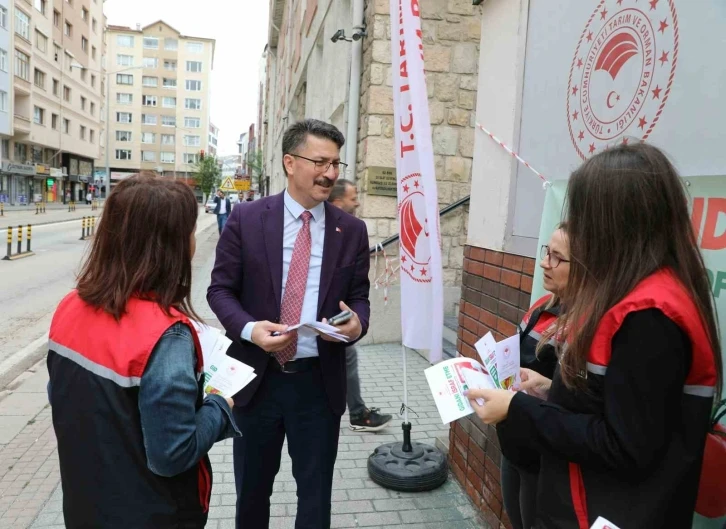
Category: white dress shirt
[222,205]
[307,345]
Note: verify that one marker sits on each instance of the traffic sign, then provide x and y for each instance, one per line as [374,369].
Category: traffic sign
[227,184]
[242,185]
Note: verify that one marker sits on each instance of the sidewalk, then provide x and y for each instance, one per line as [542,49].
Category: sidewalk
[31,497]
[15,215]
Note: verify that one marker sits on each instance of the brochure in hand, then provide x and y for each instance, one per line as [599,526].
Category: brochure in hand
[223,375]
[448,380]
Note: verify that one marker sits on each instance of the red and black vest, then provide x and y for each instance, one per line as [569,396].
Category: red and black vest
[95,365]
[538,320]
[576,495]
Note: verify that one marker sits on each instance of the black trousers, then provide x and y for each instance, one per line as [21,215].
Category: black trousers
[293,405]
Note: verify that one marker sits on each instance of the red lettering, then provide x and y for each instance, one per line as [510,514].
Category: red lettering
[406,148]
[404,88]
[403,69]
[415,9]
[711,241]
[402,44]
[697,215]
[406,128]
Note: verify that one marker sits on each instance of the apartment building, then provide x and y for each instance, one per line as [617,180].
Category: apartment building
[51,72]
[213,138]
[159,99]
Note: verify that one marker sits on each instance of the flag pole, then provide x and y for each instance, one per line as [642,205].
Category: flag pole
[406,426]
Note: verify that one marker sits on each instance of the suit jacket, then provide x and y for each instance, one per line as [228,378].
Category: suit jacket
[218,205]
[247,284]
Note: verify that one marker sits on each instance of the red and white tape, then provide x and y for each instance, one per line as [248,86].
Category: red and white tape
[545,183]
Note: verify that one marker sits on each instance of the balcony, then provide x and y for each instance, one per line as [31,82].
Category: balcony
[21,86]
[21,124]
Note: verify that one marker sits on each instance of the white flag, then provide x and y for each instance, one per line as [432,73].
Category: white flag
[422,302]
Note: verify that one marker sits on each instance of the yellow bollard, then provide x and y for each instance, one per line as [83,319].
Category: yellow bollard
[30,229]
[93,225]
[20,239]
[10,243]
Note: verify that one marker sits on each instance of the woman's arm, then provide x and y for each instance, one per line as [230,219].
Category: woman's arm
[642,386]
[176,434]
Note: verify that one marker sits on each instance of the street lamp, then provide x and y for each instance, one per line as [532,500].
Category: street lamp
[108,113]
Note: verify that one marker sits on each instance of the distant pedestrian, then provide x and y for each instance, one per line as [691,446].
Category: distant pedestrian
[222,209]
[89,197]
[129,412]
[362,419]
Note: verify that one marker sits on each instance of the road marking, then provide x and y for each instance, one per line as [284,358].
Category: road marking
[24,353]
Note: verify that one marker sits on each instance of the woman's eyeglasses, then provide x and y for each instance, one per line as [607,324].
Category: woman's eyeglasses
[555,260]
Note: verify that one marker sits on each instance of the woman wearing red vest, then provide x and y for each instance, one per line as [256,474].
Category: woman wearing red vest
[621,432]
[125,363]
[520,468]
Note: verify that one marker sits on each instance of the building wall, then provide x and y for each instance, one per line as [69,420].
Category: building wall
[6,76]
[181,55]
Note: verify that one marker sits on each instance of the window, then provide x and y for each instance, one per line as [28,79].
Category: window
[125,41]
[194,86]
[148,119]
[3,17]
[148,101]
[192,123]
[148,156]
[192,141]
[83,103]
[92,136]
[38,116]
[167,157]
[124,98]
[195,47]
[93,81]
[93,108]
[22,24]
[93,53]
[123,135]
[83,132]
[169,83]
[168,121]
[122,78]
[56,87]
[194,66]
[124,60]
[56,18]
[3,101]
[39,79]
[54,121]
[66,93]
[193,104]
[148,137]
[171,44]
[56,52]
[167,139]
[94,26]
[151,62]
[84,74]
[84,44]
[22,65]
[67,29]
[84,14]
[151,43]
[123,117]
[41,41]
[150,81]
[168,102]
[66,126]
[170,65]
[21,152]
[3,60]
[123,154]
[190,158]
[41,5]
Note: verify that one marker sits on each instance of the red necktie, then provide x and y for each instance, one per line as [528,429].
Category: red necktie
[295,286]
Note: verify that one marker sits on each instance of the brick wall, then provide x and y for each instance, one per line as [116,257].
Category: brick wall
[495,294]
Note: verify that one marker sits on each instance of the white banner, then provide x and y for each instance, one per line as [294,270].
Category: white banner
[422,302]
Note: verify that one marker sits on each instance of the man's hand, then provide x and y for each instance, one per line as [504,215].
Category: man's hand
[351,328]
[262,336]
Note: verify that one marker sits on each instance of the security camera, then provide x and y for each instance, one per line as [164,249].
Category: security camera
[339,35]
[359,35]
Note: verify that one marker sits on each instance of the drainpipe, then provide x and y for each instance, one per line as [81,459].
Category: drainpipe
[351,149]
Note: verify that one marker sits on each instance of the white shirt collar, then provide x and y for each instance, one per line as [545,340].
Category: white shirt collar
[296,209]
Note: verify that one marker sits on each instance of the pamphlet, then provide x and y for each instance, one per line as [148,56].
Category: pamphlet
[602,523]
[450,379]
[223,375]
[320,328]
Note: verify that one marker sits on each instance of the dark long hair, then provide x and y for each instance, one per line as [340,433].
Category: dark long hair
[142,247]
[627,214]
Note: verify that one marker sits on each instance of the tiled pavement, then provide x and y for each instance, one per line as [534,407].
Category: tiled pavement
[31,497]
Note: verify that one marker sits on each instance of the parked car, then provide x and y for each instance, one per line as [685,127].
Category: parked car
[209,206]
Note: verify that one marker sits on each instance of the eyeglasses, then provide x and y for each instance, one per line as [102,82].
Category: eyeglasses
[322,166]
[555,260]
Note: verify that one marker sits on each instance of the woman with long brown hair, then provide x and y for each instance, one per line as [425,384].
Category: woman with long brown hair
[621,432]
[126,370]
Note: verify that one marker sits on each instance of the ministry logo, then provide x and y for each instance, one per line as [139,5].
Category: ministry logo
[622,72]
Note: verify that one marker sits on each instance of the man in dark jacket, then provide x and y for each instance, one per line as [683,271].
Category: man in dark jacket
[222,209]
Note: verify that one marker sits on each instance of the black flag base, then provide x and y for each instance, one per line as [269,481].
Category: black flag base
[406,466]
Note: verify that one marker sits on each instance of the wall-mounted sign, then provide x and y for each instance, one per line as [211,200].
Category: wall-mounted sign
[381,181]
[18,168]
[42,169]
[73,168]
[85,168]
[56,172]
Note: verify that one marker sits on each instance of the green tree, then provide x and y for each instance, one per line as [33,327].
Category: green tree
[207,175]
[256,165]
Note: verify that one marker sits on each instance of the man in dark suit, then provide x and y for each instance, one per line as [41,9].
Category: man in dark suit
[282,260]
[222,209]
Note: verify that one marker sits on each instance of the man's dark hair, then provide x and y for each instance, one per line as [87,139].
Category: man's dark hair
[296,135]
[339,189]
